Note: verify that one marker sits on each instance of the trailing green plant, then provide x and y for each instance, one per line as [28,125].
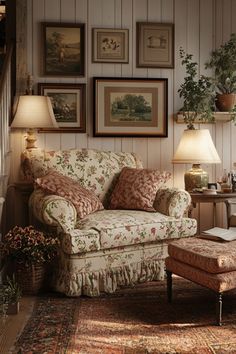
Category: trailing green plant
[12,290]
[223,62]
[198,93]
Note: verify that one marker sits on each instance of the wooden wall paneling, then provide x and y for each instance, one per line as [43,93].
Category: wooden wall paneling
[29,36]
[205,46]
[139,15]
[233,126]
[140,148]
[17,143]
[180,20]
[128,21]
[154,14]
[108,69]
[127,144]
[166,148]
[38,16]
[94,69]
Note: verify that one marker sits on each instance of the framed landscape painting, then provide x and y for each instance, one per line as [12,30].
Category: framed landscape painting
[63,49]
[68,103]
[110,45]
[155,45]
[130,107]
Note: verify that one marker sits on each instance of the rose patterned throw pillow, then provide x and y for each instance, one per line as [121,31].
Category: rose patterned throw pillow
[136,188]
[85,201]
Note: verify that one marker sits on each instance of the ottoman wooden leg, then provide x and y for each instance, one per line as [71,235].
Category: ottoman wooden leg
[169,285]
[219,309]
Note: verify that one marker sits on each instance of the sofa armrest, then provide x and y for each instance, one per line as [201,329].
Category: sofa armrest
[172,202]
[53,210]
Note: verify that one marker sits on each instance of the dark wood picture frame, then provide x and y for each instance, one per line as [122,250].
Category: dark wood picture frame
[155,45]
[69,106]
[63,49]
[130,107]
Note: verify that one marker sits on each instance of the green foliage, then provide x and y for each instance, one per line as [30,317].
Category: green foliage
[12,290]
[197,92]
[223,61]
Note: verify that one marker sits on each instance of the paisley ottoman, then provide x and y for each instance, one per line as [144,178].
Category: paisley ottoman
[209,263]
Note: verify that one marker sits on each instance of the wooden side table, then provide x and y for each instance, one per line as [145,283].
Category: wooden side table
[213,198]
[16,210]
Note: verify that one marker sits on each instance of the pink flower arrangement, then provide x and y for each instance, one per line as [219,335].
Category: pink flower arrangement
[29,246]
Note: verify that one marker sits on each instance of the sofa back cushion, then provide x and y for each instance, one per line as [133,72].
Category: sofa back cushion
[93,169]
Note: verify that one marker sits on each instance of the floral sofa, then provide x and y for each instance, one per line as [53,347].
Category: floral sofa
[109,247]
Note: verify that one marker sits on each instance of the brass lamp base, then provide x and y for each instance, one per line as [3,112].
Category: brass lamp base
[195,178]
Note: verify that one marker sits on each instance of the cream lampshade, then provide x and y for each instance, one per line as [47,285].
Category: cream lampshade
[33,112]
[196,147]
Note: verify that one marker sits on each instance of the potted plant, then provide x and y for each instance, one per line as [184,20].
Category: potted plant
[30,250]
[223,62]
[198,93]
[13,295]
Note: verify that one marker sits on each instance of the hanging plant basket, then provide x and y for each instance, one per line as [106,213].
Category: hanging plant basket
[31,278]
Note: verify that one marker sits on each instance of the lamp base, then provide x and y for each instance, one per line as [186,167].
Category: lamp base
[195,178]
[30,139]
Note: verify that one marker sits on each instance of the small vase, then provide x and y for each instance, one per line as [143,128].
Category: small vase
[13,308]
[30,277]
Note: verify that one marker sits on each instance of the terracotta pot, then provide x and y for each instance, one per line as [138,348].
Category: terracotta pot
[225,102]
[13,308]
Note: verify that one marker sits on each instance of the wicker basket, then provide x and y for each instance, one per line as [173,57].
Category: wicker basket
[30,277]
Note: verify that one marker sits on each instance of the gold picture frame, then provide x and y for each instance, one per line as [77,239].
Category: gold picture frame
[155,45]
[110,45]
[130,107]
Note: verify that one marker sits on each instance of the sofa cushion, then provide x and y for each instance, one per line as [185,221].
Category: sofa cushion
[93,169]
[84,200]
[136,188]
[115,228]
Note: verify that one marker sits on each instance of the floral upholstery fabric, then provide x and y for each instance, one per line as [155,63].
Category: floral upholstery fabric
[210,256]
[136,188]
[105,271]
[172,201]
[218,282]
[85,201]
[93,169]
[109,248]
[115,228]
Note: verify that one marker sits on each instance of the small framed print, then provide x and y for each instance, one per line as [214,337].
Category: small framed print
[68,103]
[63,49]
[110,45]
[130,107]
[155,45]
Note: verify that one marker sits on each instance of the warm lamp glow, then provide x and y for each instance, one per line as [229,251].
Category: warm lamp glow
[33,112]
[196,147]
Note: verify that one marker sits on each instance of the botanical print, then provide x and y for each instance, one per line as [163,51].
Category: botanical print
[110,45]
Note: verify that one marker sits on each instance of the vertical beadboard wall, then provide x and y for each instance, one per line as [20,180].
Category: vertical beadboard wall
[200,26]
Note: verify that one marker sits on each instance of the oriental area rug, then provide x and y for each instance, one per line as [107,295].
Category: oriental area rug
[131,321]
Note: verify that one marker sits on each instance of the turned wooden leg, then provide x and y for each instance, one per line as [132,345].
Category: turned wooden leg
[169,285]
[219,309]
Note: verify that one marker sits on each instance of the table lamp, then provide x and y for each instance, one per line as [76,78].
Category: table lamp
[33,112]
[196,147]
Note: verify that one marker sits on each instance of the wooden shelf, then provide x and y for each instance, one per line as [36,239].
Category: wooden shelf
[219,117]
